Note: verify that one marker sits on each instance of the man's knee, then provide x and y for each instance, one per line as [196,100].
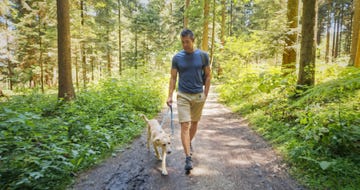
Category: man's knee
[185,125]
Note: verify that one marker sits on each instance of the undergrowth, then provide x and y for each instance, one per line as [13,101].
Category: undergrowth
[44,142]
[317,131]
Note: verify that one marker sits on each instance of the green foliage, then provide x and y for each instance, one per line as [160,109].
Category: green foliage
[317,130]
[43,142]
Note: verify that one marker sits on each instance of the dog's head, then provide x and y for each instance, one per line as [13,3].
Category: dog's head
[164,141]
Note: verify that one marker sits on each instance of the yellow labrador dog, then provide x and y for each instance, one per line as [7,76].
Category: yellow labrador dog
[157,136]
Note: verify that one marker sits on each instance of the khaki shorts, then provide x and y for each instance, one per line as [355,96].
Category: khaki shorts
[190,106]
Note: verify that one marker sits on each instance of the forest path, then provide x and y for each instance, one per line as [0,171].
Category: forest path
[228,155]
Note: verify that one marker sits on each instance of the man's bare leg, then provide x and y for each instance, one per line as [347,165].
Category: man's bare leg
[185,137]
[193,129]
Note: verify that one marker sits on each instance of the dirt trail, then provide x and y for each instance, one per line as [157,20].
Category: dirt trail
[228,155]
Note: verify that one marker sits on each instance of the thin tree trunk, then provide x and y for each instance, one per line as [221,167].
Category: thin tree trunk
[306,75]
[223,22]
[334,36]
[230,18]
[41,58]
[76,69]
[119,31]
[213,33]
[66,89]
[327,54]
[9,63]
[337,32]
[355,31]
[82,46]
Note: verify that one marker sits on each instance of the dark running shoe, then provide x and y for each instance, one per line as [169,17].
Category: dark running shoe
[188,163]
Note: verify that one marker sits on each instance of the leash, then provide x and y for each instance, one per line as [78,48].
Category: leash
[170,113]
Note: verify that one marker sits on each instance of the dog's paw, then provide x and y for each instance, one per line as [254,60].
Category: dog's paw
[164,172]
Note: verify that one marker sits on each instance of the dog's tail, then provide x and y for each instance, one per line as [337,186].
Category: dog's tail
[144,117]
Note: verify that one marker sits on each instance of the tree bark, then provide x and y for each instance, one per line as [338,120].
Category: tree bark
[119,31]
[213,33]
[355,31]
[205,37]
[223,22]
[306,75]
[66,89]
[357,56]
[186,19]
[327,51]
[82,46]
[289,54]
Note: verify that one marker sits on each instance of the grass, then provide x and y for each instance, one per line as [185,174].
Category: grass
[317,131]
[44,142]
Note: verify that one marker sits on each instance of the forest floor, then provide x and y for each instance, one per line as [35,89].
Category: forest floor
[228,155]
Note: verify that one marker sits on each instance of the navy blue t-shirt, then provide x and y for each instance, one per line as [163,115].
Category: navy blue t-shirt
[189,67]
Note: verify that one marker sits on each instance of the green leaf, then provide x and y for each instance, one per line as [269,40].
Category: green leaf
[325,164]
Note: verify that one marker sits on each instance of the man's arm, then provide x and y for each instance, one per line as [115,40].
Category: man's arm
[172,84]
[207,71]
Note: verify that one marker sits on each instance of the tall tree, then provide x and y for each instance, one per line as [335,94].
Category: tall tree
[357,56]
[355,31]
[119,35]
[186,17]
[306,75]
[213,32]
[205,31]
[223,22]
[289,54]
[66,89]
[328,27]
[82,44]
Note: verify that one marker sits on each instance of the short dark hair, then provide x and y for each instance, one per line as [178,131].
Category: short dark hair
[187,32]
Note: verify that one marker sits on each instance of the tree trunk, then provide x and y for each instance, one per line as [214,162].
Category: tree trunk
[337,40]
[223,22]
[186,19]
[205,37]
[230,18]
[306,75]
[66,89]
[82,46]
[41,58]
[119,31]
[213,33]
[357,56]
[289,54]
[9,63]
[327,54]
[355,31]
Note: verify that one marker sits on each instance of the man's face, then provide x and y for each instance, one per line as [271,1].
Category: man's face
[188,44]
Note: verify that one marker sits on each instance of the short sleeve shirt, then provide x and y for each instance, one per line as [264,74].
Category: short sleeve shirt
[190,67]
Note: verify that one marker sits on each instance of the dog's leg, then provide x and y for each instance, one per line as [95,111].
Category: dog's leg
[156,151]
[163,164]
[148,137]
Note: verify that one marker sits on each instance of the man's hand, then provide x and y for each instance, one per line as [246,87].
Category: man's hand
[169,101]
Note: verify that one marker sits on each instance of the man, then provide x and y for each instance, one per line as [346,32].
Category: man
[189,63]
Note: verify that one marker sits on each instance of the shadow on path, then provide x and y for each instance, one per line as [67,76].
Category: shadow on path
[228,155]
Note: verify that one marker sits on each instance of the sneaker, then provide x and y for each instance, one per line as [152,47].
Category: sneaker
[188,163]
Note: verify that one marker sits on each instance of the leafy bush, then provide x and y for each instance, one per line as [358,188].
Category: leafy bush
[318,131]
[44,142]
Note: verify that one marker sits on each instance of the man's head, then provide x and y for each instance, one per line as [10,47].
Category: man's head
[187,40]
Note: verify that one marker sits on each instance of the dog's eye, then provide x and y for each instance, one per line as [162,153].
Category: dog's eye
[168,142]
[164,144]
